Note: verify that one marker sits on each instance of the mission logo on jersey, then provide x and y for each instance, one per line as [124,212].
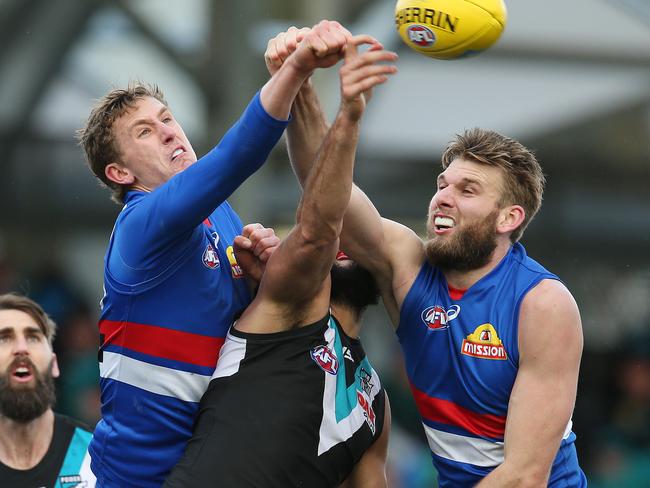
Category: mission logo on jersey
[235,268]
[484,343]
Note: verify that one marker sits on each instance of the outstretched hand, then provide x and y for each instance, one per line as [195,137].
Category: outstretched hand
[361,72]
[308,48]
[253,248]
[281,46]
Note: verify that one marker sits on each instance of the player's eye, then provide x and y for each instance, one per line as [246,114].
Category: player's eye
[144,132]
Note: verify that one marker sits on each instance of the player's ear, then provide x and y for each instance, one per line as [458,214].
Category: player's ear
[119,174]
[55,367]
[510,218]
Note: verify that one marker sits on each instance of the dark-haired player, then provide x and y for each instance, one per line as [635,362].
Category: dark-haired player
[37,447]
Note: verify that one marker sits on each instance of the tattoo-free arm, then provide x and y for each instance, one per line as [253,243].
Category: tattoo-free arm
[543,396]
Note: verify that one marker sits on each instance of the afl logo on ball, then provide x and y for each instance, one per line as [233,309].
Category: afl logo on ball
[325,358]
[421,36]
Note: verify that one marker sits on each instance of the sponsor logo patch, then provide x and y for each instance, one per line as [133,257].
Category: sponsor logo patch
[437,318]
[484,343]
[72,481]
[325,358]
[368,411]
[234,267]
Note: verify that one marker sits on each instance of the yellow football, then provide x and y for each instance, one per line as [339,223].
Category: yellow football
[450,29]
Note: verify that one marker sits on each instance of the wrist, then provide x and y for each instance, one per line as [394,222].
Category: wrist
[298,69]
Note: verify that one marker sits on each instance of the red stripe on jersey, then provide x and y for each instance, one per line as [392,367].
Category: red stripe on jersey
[161,342]
[449,413]
[207,222]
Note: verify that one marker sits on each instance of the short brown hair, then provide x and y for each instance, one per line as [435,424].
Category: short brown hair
[97,138]
[13,301]
[524,179]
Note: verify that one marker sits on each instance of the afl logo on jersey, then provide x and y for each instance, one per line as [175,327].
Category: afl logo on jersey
[210,257]
[437,318]
[325,358]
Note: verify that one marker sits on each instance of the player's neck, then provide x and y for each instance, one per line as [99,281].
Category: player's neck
[22,446]
[349,320]
[463,280]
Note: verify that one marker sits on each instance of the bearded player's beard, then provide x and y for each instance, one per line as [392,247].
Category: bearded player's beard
[23,403]
[466,250]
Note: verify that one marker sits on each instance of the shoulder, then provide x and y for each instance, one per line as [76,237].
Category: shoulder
[550,296]
[406,256]
[68,423]
[549,321]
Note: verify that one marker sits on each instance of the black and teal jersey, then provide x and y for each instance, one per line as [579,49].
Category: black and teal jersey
[286,409]
[66,463]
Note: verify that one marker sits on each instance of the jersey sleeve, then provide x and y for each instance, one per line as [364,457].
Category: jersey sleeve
[172,210]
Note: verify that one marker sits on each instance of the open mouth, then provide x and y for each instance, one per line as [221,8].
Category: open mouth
[442,224]
[177,153]
[22,373]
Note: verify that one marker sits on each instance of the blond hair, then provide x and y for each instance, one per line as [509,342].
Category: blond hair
[523,176]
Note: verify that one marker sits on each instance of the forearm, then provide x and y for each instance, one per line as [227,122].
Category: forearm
[306,131]
[328,186]
[278,94]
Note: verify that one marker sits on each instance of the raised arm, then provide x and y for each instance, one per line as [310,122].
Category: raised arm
[397,251]
[297,271]
[320,47]
[544,393]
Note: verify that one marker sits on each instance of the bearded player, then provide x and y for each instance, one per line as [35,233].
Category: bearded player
[37,446]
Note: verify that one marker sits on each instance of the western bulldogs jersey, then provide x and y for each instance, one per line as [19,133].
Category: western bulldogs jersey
[172,289]
[462,359]
[289,409]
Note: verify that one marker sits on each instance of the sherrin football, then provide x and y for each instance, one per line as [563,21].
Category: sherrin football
[450,29]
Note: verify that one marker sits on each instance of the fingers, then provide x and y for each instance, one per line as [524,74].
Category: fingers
[281,46]
[259,240]
[361,72]
[327,37]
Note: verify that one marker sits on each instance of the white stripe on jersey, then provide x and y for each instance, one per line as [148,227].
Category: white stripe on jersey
[567,430]
[331,432]
[230,357]
[86,473]
[170,382]
[470,450]
[462,449]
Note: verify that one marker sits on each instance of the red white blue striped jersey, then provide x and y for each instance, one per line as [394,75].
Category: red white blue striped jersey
[172,289]
[462,359]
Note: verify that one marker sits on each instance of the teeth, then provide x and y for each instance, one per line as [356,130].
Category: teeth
[176,153]
[22,370]
[443,222]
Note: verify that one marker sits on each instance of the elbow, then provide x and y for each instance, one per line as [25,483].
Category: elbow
[533,478]
[529,476]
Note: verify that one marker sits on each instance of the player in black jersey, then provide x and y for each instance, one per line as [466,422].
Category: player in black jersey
[38,448]
[293,400]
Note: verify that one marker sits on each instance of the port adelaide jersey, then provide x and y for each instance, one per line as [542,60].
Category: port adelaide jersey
[295,408]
